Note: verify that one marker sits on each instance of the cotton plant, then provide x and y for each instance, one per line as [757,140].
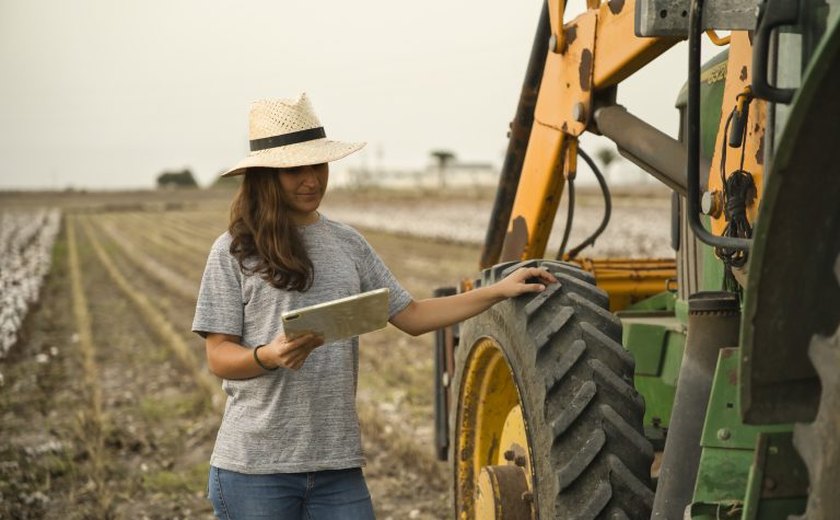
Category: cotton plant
[26,241]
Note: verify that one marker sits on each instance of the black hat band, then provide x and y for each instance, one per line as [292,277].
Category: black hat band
[287,139]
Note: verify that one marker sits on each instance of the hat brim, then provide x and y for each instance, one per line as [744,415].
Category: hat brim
[299,154]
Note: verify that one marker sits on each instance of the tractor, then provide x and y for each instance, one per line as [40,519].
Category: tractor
[701,386]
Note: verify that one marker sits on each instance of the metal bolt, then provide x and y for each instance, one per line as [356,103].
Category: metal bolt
[520,461]
[552,43]
[509,455]
[769,483]
[724,434]
[711,203]
[579,112]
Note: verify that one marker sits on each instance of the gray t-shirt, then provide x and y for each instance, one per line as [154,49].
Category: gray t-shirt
[289,421]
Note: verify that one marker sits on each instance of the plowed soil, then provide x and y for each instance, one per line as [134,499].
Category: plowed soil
[122,425]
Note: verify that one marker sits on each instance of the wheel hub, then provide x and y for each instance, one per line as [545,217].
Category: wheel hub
[503,494]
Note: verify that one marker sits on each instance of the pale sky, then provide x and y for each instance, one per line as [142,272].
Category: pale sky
[108,94]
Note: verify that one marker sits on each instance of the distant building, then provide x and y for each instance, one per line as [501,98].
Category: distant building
[453,175]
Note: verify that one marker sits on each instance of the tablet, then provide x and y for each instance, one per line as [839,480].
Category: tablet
[340,319]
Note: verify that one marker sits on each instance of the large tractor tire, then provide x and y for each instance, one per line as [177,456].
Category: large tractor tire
[818,442]
[547,423]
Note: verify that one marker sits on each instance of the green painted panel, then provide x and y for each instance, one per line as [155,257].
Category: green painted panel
[673,359]
[656,338]
[726,482]
[646,342]
[658,387]
[712,83]
[723,427]
[711,101]
[712,279]
[722,476]
[777,486]
[663,301]
[732,481]
[659,399]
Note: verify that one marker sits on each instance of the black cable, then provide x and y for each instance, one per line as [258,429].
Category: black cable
[570,215]
[738,192]
[723,152]
[607,207]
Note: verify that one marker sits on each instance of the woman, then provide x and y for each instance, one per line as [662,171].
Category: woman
[289,443]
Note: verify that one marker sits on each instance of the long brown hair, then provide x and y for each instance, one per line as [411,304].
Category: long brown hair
[265,235]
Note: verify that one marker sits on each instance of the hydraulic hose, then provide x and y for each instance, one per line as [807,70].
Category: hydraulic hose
[605,190]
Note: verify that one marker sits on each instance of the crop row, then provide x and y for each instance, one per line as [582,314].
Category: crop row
[160,270]
[26,241]
[148,308]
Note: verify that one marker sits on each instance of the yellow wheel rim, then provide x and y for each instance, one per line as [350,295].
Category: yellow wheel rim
[491,430]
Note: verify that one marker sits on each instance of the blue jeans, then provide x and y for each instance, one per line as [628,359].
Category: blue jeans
[320,495]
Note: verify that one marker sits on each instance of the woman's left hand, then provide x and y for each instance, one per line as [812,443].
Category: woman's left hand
[426,315]
[292,353]
[517,282]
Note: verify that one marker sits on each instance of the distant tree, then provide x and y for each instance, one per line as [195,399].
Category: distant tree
[443,159]
[606,156]
[177,179]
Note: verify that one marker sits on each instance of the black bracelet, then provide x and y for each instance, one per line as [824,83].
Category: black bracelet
[260,363]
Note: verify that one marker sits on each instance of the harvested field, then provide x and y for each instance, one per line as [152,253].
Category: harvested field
[107,409]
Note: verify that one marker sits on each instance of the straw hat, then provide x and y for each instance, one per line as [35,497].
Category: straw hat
[285,133]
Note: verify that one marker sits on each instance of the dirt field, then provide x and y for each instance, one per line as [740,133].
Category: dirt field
[107,409]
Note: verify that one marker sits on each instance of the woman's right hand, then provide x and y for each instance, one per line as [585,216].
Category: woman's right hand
[289,353]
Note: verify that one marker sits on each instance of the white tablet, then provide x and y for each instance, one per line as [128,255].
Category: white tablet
[339,319]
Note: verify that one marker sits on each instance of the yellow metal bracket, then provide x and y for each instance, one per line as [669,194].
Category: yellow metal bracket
[566,92]
[738,80]
[590,53]
[629,280]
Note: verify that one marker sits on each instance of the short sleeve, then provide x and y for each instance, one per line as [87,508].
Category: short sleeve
[374,274]
[219,308]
